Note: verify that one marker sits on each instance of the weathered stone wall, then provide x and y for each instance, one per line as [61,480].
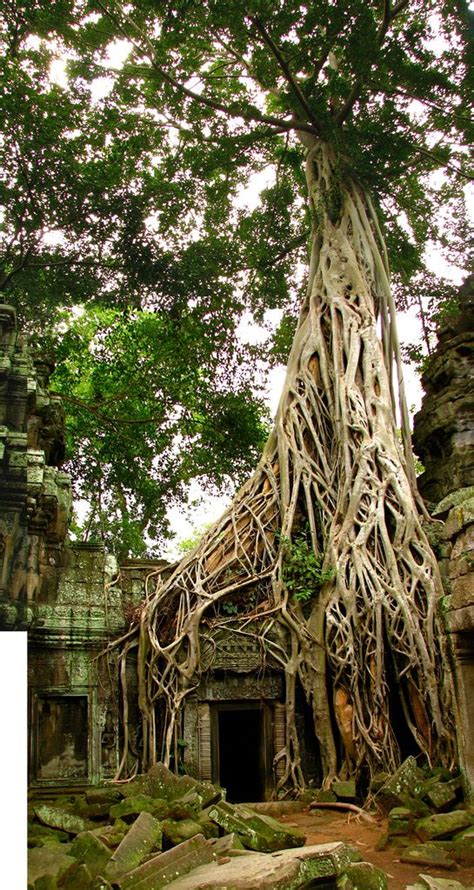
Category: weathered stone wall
[444,439]
[35,495]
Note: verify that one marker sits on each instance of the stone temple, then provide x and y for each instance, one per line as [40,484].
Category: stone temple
[74,598]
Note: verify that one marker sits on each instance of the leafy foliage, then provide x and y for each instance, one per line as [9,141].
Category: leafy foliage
[304,572]
[121,186]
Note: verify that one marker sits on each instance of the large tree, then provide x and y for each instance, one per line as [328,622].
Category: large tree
[355,104]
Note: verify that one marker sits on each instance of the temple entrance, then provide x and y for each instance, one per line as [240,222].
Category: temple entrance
[241,752]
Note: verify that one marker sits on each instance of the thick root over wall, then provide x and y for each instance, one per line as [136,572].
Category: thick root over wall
[334,466]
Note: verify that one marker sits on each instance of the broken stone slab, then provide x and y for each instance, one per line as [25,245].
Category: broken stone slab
[463,850]
[443,795]
[207,793]
[56,818]
[166,867]
[77,877]
[103,795]
[283,869]
[427,854]
[227,845]
[159,782]
[399,821]
[144,836]
[345,791]
[442,824]
[41,834]
[175,832]
[364,876]
[131,807]
[94,811]
[89,849]
[260,833]
[49,860]
[208,828]
[440,883]
[407,780]
[46,882]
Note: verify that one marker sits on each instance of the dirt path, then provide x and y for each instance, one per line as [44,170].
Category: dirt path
[321,828]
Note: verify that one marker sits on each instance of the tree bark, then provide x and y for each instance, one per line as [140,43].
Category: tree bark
[334,464]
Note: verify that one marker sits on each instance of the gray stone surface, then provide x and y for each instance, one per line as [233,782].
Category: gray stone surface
[57,818]
[442,824]
[47,860]
[286,868]
[161,870]
[257,832]
[143,837]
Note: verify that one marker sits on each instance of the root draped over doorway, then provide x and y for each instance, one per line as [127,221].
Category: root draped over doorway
[333,466]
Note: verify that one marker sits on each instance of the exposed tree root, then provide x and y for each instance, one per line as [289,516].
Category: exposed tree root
[333,464]
[348,807]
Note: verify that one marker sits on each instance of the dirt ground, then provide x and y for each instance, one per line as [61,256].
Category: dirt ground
[327,827]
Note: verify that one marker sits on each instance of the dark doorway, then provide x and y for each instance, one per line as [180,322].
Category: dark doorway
[241,766]
[61,738]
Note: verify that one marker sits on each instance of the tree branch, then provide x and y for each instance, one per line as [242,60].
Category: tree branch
[389,13]
[250,115]
[286,71]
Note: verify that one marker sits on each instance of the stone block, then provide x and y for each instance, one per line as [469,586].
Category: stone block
[427,854]
[364,876]
[407,779]
[319,864]
[463,850]
[144,836]
[322,796]
[165,868]
[345,790]
[229,844]
[400,821]
[260,833]
[207,826]
[130,808]
[175,832]
[46,882]
[56,818]
[49,860]
[432,883]
[442,824]
[92,851]
[443,795]
[77,877]
[41,834]
[103,795]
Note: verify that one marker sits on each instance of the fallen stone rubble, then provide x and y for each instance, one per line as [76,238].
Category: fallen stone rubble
[161,830]
[428,821]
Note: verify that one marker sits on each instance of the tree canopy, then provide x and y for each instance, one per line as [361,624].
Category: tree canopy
[125,204]
[119,191]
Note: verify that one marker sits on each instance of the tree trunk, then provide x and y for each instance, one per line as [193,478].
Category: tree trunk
[333,465]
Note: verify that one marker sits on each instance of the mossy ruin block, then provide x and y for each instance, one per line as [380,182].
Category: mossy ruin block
[442,824]
[364,876]
[93,852]
[429,855]
[144,836]
[407,780]
[345,790]
[175,832]
[400,821]
[59,818]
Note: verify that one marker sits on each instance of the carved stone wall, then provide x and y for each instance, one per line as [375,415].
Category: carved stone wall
[444,440]
[35,495]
